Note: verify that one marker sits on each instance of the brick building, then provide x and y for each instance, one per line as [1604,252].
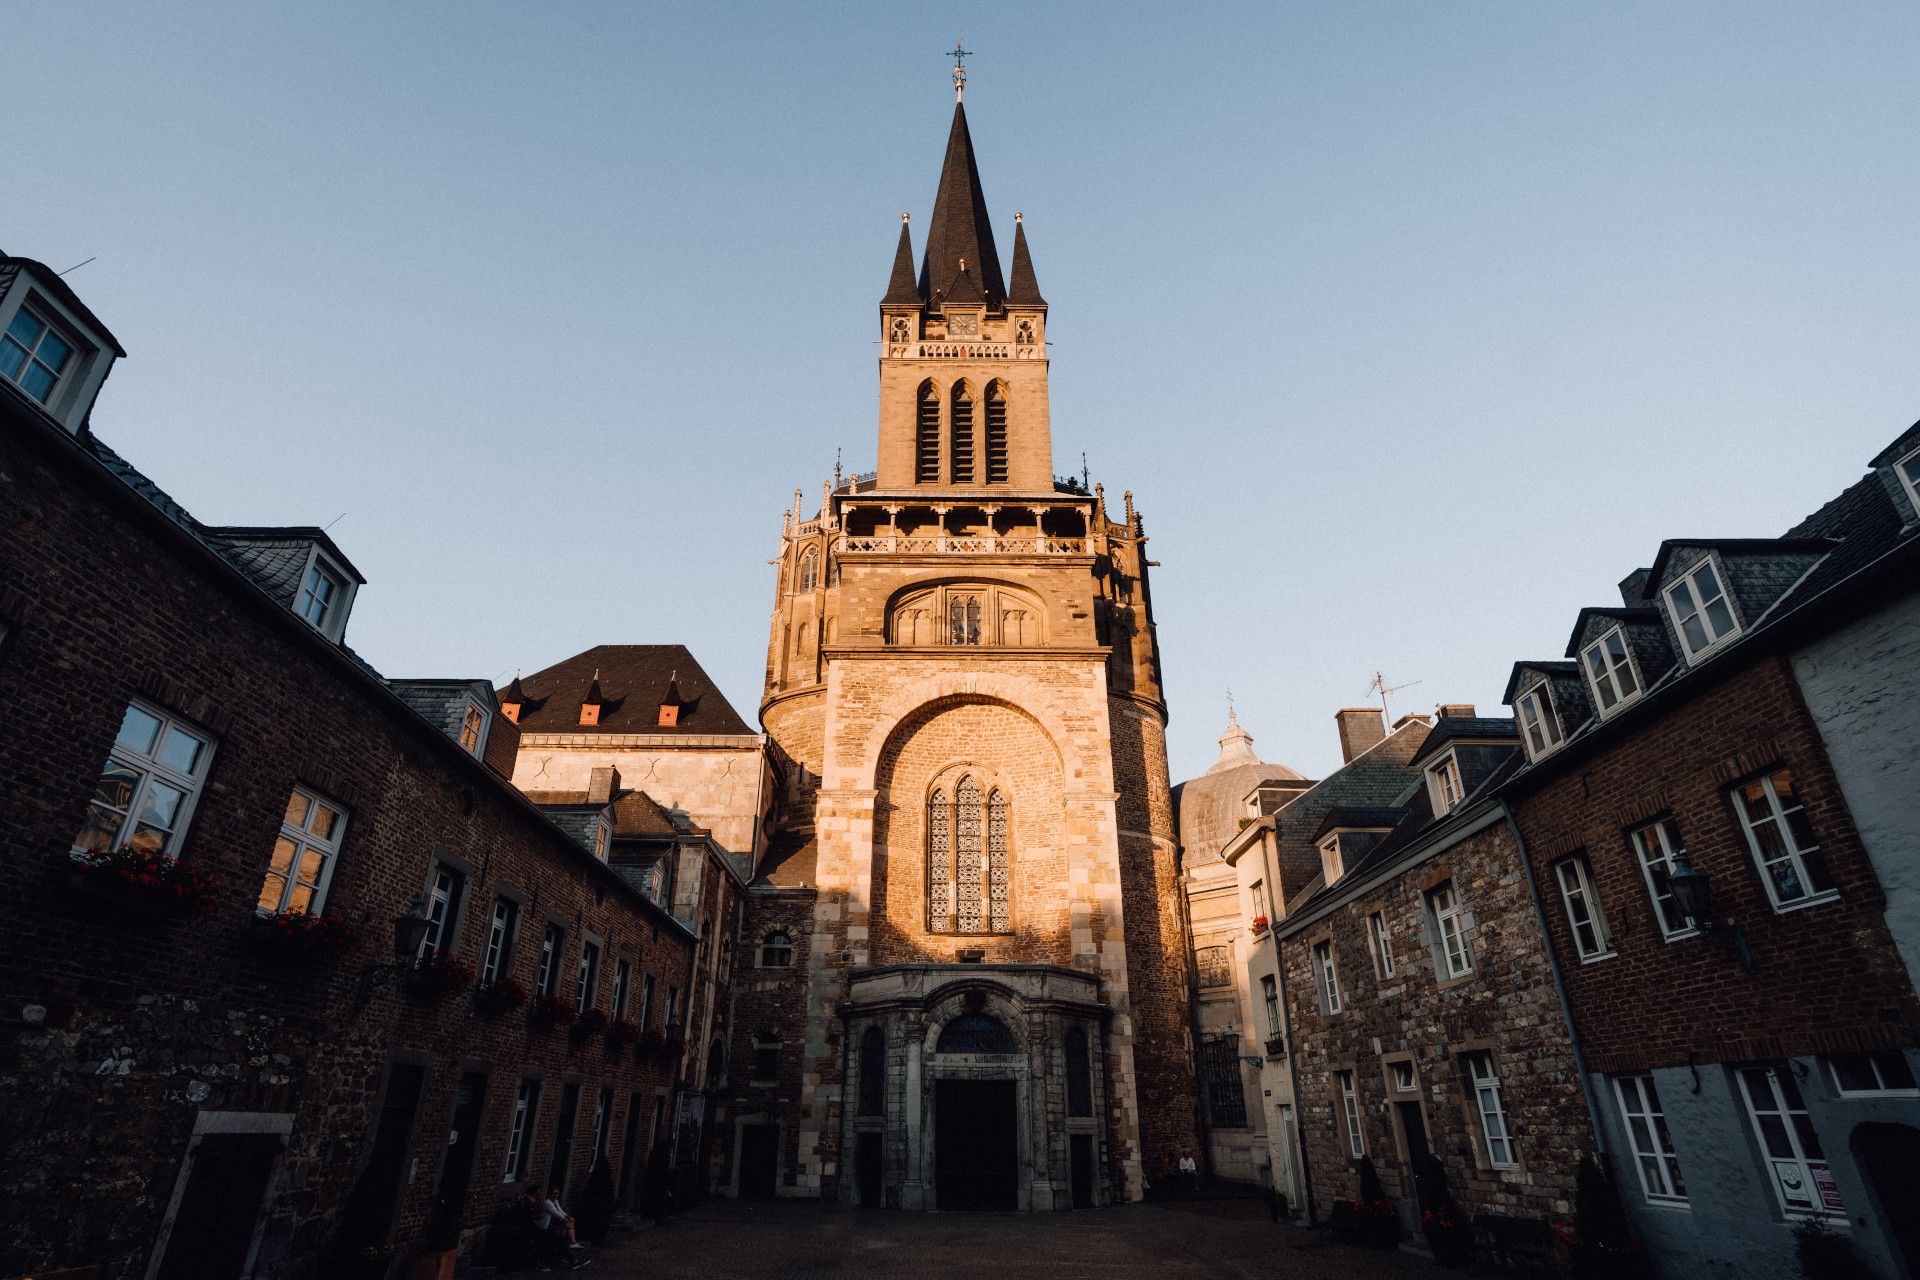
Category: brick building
[1748,1022]
[191,1090]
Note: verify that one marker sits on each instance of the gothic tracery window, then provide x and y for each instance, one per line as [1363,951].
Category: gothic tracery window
[1079,1074]
[809,571]
[969,876]
[976,1033]
[963,619]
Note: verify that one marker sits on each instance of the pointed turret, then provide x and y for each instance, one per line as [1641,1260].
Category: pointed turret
[1236,746]
[901,289]
[1024,288]
[960,230]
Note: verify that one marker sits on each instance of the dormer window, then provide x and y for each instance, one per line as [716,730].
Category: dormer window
[1908,469]
[1443,785]
[602,837]
[323,596]
[1701,610]
[1610,672]
[35,355]
[1539,726]
[1330,866]
[473,728]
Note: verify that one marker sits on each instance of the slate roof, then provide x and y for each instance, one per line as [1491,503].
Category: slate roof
[47,278]
[1473,728]
[792,861]
[636,815]
[959,230]
[1025,288]
[442,703]
[902,288]
[1358,815]
[633,680]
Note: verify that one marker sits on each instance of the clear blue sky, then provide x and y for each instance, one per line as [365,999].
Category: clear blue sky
[1412,327]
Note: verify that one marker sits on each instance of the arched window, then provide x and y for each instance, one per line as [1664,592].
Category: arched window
[776,950]
[969,878]
[809,570]
[926,436]
[967,613]
[975,1033]
[996,433]
[1079,1074]
[961,435]
[766,1056]
[1213,964]
[873,1072]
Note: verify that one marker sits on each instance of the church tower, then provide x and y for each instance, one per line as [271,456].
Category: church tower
[976,862]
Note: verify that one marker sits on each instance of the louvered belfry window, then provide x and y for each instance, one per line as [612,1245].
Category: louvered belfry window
[926,461]
[996,433]
[962,422]
[969,877]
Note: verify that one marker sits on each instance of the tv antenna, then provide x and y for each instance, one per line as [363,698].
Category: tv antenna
[1381,687]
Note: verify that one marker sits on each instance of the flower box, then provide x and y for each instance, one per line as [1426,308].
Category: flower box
[149,882]
[1259,925]
[647,1043]
[619,1032]
[502,995]
[1277,1047]
[591,1022]
[437,975]
[672,1042]
[553,1011]
[297,935]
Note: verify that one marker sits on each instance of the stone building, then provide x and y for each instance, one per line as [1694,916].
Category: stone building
[973,887]
[1703,779]
[1211,810]
[193,1089]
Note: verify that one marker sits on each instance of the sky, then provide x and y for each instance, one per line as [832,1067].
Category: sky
[1413,328]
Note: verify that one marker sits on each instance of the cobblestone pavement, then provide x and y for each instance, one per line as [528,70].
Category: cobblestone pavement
[797,1240]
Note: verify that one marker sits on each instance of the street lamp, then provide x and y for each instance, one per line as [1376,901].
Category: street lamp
[409,932]
[1693,891]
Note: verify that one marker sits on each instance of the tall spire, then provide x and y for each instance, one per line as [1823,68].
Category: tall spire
[900,287]
[960,238]
[1024,289]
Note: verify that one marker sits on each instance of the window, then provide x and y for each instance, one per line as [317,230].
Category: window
[1350,1111]
[646,1002]
[501,933]
[302,861]
[1583,909]
[776,950]
[1382,943]
[1658,846]
[673,1006]
[526,1112]
[1330,866]
[1538,723]
[997,428]
[873,1072]
[963,619]
[1401,1075]
[766,1056]
[1324,975]
[553,944]
[1801,1177]
[147,789]
[34,355]
[323,596]
[602,1115]
[1610,672]
[976,1033]
[1701,612]
[1858,1074]
[1493,1111]
[961,435]
[968,880]
[1443,785]
[1225,1092]
[1258,893]
[1212,963]
[587,989]
[443,909]
[622,979]
[1908,469]
[1781,838]
[602,837]
[1652,1145]
[1455,957]
[1079,1074]
[473,729]
[809,570]
[1270,998]
[926,436]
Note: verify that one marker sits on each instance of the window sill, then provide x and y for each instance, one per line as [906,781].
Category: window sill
[1801,904]
[1872,1095]
[1604,955]
[1670,1206]
[1681,936]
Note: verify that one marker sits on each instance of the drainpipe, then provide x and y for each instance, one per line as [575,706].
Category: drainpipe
[1559,983]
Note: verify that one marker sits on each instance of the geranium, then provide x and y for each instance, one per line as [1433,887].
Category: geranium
[551,1009]
[499,995]
[619,1031]
[439,974]
[590,1023]
[150,877]
[300,933]
[649,1041]
[1260,924]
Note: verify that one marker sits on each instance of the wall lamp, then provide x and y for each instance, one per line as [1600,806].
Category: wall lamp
[1232,1036]
[409,931]
[1694,892]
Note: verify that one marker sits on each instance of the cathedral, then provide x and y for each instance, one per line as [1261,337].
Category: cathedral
[965,962]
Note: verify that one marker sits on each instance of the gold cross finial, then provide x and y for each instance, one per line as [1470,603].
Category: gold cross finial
[960,56]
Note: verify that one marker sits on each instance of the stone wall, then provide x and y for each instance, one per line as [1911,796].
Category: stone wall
[717,781]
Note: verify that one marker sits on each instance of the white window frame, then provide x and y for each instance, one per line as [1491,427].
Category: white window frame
[1331,866]
[1270,999]
[1326,976]
[602,838]
[520,1131]
[1798,1159]
[622,988]
[1906,470]
[1496,1133]
[1453,952]
[1647,1137]
[1382,943]
[648,985]
[1403,1076]
[602,1113]
[553,951]
[332,622]
[503,930]
[1778,815]
[1883,1089]
[79,352]
[586,983]
[1577,894]
[1444,786]
[1350,1110]
[1257,894]
[304,841]
[1684,602]
[1662,849]
[475,722]
[1535,710]
[446,898]
[1612,674]
[149,769]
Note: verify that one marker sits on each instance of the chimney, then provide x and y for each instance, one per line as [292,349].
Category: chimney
[1456,711]
[601,784]
[1633,588]
[1360,728]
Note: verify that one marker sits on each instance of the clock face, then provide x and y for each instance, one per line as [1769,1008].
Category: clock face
[963,324]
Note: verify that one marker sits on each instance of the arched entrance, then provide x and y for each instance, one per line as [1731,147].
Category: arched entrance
[975,1137]
[1889,1154]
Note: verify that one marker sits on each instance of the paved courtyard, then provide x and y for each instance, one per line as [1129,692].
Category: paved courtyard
[791,1240]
